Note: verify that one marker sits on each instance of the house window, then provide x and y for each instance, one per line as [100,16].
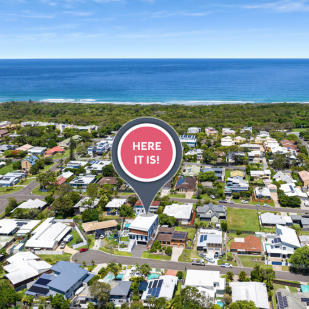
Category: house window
[276,247]
[284,248]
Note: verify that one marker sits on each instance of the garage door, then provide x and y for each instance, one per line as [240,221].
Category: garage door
[210,249]
[141,242]
[275,254]
[175,246]
[181,246]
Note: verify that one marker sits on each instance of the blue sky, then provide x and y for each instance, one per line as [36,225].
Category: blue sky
[154,29]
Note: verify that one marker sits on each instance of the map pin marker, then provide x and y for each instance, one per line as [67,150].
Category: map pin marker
[146,153]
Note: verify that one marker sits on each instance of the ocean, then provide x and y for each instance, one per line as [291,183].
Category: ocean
[162,81]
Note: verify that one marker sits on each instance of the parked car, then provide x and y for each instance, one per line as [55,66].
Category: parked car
[102,236]
[200,254]
[132,270]
[83,250]
[212,196]
[258,205]
[62,245]
[232,202]
[198,262]
[227,265]
[222,201]
[266,205]
[137,273]
[216,255]
[244,202]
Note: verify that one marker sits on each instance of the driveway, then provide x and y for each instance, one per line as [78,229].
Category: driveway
[274,196]
[165,192]
[176,253]
[138,250]
[189,195]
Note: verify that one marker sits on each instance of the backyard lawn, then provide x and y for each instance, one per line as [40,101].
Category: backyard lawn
[246,260]
[148,255]
[124,238]
[227,174]
[191,231]
[75,237]
[55,257]
[126,193]
[177,195]
[6,169]
[9,190]
[62,156]
[242,219]
[46,167]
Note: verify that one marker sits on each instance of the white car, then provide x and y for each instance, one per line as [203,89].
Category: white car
[257,204]
[212,196]
[62,246]
[132,270]
[227,265]
[244,202]
[266,205]
[232,202]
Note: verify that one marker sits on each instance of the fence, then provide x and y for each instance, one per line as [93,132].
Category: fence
[296,285]
[245,232]
[21,242]
[38,252]
[82,236]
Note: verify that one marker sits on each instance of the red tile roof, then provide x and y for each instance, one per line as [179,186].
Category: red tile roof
[60,181]
[154,203]
[55,149]
[171,273]
[251,243]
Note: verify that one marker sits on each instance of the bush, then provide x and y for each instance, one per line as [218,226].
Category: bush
[93,279]
[179,274]
[238,232]
[78,240]
[168,251]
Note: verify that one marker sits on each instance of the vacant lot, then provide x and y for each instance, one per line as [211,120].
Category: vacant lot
[191,231]
[242,219]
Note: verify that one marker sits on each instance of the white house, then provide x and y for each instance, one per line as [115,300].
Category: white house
[24,266]
[47,235]
[164,286]
[249,129]
[18,226]
[182,213]
[228,131]
[209,283]
[190,140]
[76,164]
[250,291]
[261,174]
[81,182]
[85,203]
[284,177]
[114,205]
[32,204]
[292,190]
[269,219]
[195,152]
[97,166]
[194,130]
[144,228]
[262,193]
[283,243]
[37,151]
[227,141]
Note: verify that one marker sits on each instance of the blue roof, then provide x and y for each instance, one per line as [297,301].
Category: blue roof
[31,159]
[70,273]
[180,181]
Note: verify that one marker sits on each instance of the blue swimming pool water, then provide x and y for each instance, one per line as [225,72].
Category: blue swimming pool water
[127,225]
[153,276]
[120,276]
[220,303]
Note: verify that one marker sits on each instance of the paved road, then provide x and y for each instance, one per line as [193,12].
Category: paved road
[248,206]
[102,257]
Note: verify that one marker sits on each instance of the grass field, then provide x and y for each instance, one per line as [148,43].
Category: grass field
[6,169]
[126,238]
[36,191]
[62,156]
[298,130]
[73,241]
[56,258]
[222,261]
[189,256]
[148,255]
[177,195]
[9,190]
[246,260]
[227,174]
[242,219]
[191,231]
[126,193]
[26,182]
[47,167]
[254,203]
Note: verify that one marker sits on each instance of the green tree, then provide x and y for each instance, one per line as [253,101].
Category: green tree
[223,225]
[300,258]
[108,171]
[58,302]
[92,190]
[72,147]
[242,276]
[168,251]
[101,291]
[63,206]
[145,269]
[243,304]
[229,275]
[208,176]
[126,211]
[8,295]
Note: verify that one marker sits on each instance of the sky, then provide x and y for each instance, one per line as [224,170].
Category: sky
[154,29]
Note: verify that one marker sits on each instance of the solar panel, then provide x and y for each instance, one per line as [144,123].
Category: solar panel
[160,283]
[305,299]
[42,281]
[38,290]
[155,284]
[201,238]
[150,285]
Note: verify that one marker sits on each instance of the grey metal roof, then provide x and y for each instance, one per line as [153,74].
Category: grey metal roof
[120,288]
[210,206]
[293,300]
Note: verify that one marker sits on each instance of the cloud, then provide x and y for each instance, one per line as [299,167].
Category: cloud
[283,6]
[27,14]
[78,13]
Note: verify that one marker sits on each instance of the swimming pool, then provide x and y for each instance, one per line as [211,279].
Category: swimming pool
[119,277]
[127,225]
[111,277]
[220,303]
[153,276]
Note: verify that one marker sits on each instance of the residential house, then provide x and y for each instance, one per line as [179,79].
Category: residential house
[144,228]
[186,184]
[11,179]
[228,131]
[3,133]
[255,157]
[113,206]
[167,185]
[211,213]
[169,237]
[292,190]
[304,178]
[237,173]
[19,226]
[54,150]
[220,172]
[194,130]
[48,235]
[139,207]
[269,219]
[108,180]
[210,241]
[253,147]
[63,178]
[32,204]
[207,184]
[4,148]
[164,287]
[287,300]
[227,141]
[283,243]
[210,131]
[272,188]
[37,151]
[290,145]
[120,292]
[97,166]
[284,177]
[190,140]
[23,267]
[247,245]
[246,129]
[85,203]
[27,163]
[236,185]
[250,291]
[76,164]
[195,152]
[262,193]
[209,283]
[182,213]
[302,220]
[66,142]
[191,170]
[265,174]
[25,147]
[95,227]
[81,182]
[66,278]
[239,139]
[101,148]
[304,240]
[4,124]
